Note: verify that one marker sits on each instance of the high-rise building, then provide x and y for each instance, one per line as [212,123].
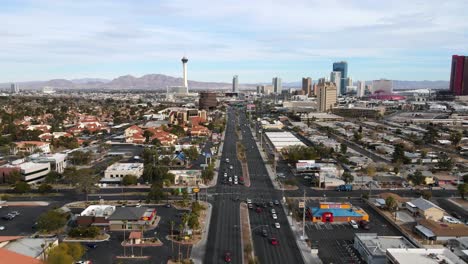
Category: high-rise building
[207,101]
[14,89]
[307,86]
[326,96]
[268,89]
[235,84]
[260,89]
[382,86]
[342,66]
[322,80]
[335,77]
[277,87]
[459,75]
[315,89]
[361,88]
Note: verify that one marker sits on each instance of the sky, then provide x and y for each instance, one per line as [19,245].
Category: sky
[257,40]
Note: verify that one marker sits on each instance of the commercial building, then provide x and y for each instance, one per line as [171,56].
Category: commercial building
[132,218]
[235,84]
[459,75]
[341,66]
[14,88]
[422,255]
[307,86]
[382,86]
[58,161]
[186,177]
[115,172]
[361,88]
[335,77]
[373,248]
[277,86]
[207,101]
[329,212]
[326,97]
[356,112]
[280,140]
[22,250]
[95,215]
[260,89]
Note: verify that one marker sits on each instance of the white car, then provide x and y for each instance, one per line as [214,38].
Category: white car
[225,174]
[277,225]
[249,201]
[231,167]
[274,216]
[2,228]
[230,179]
[354,224]
[273,211]
[236,182]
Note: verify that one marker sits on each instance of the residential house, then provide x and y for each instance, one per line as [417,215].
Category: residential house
[426,209]
[440,231]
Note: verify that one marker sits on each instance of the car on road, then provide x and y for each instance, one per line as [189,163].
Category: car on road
[364,225]
[258,210]
[231,167]
[276,202]
[230,179]
[277,225]
[270,204]
[274,241]
[264,233]
[225,175]
[273,211]
[227,160]
[456,215]
[168,205]
[249,201]
[8,217]
[227,257]
[91,245]
[235,181]
[264,205]
[353,224]
[250,206]
[2,228]
[15,213]
[274,216]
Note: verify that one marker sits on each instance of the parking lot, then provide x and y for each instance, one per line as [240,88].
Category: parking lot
[335,239]
[21,225]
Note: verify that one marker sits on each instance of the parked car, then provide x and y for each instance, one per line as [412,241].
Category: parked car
[2,228]
[364,225]
[353,224]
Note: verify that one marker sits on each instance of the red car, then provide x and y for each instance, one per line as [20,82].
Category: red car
[227,257]
[274,241]
[258,210]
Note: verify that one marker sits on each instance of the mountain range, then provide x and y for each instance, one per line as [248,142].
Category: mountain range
[161,82]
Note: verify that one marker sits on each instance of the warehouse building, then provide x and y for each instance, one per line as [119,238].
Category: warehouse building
[280,140]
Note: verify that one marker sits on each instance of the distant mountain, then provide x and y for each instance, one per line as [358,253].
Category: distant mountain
[149,81]
[161,82]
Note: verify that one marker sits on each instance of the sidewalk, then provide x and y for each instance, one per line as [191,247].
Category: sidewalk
[199,249]
[306,254]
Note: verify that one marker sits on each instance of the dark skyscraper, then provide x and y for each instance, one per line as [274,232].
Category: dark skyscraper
[459,75]
[342,66]
[307,86]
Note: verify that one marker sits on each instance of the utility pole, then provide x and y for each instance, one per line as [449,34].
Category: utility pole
[303,217]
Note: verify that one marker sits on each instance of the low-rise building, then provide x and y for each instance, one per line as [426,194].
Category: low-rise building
[131,218]
[422,255]
[58,161]
[329,212]
[426,209]
[357,112]
[373,248]
[440,231]
[186,177]
[115,172]
[31,147]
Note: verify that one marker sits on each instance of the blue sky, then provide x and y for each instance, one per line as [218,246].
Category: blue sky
[257,40]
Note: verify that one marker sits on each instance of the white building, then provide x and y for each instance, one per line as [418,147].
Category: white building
[280,140]
[58,161]
[382,86]
[335,77]
[422,255]
[116,171]
[31,147]
[373,248]
[361,88]
[186,177]
[277,86]
[32,172]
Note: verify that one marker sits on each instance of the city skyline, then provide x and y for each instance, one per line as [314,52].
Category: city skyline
[47,40]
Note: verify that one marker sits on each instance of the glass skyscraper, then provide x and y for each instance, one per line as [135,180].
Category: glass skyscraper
[342,66]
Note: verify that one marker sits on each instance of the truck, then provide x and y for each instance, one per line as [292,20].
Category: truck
[344,188]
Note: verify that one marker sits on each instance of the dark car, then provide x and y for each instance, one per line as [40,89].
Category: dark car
[364,225]
[264,205]
[276,202]
[264,233]
[456,215]
[91,245]
[270,204]
[227,257]
[8,217]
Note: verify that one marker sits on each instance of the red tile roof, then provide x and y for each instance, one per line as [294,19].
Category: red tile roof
[7,256]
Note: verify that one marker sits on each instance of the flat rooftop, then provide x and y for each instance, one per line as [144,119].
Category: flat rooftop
[378,245]
[125,167]
[423,255]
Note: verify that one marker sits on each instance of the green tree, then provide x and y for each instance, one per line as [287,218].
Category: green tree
[463,190]
[156,193]
[65,253]
[426,194]
[445,162]
[84,181]
[417,178]
[193,222]
[357,137]
[431,134]
[147,134]
[343,148]
[208,174]
[391,203]
[52,177]
[177,130]
[347,177]
[51,221]
[399,155]
[59,257]
[22,187]
[455,137]
[129,180]
[191,153]
[13,177]
[44,188]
